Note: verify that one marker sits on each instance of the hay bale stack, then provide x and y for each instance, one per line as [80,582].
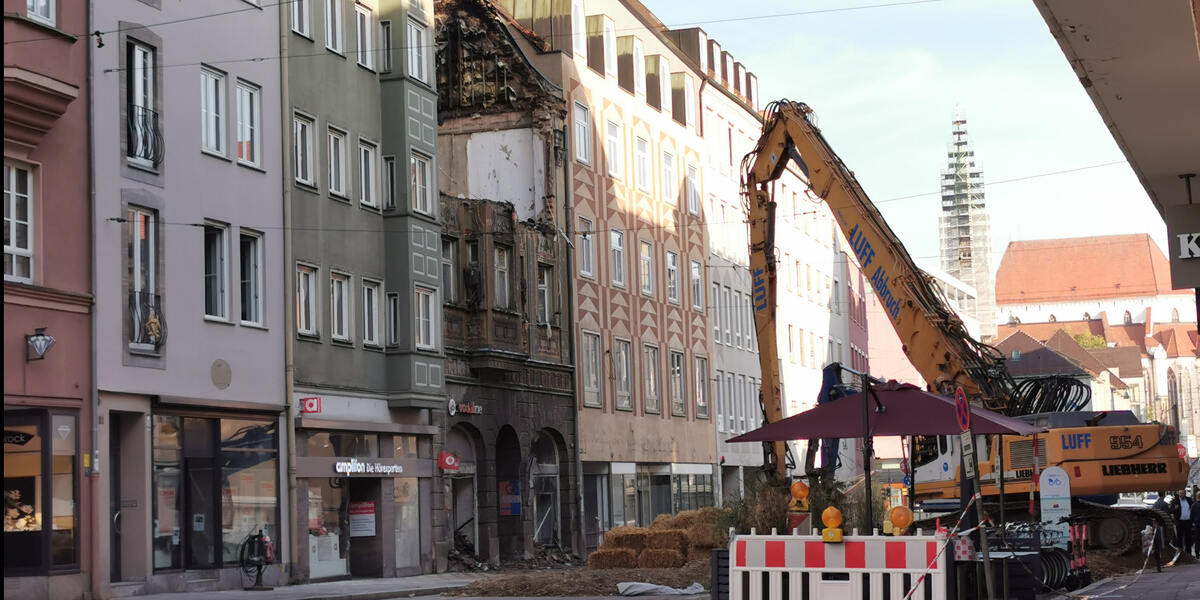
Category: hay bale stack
[703,531]
[699,554]
[655,558]
[616,558]
[633,538]
[668,539]
[685,519]
[664,521]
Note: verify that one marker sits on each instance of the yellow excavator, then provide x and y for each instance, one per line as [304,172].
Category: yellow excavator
[1105,453]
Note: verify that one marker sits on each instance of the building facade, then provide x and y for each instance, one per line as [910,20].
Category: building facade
[49,428]
[187,258]
[364,254]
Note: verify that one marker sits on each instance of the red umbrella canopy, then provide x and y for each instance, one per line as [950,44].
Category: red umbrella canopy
[907,410]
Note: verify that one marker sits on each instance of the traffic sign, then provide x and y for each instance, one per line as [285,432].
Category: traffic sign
[1183,454]
[904,465]
[907,481]
[962,410]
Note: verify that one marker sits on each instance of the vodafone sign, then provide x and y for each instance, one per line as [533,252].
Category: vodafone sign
[310,406]
[1183,455]
[447,461]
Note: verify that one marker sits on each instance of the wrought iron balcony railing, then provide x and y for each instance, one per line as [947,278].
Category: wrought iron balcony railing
[147,325]
[144,138]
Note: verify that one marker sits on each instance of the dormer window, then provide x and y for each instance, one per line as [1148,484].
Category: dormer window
[610,49]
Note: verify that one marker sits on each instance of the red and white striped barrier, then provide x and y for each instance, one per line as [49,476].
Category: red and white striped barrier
[802,567]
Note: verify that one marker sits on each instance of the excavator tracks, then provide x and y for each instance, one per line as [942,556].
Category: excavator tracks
[1118,529]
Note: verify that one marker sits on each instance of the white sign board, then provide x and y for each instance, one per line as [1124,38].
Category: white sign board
[362,519]
[1056,503]
[967,443]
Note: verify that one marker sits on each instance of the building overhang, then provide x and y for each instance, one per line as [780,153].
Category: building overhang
[32,104]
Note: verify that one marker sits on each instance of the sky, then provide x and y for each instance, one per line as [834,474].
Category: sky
[884,83]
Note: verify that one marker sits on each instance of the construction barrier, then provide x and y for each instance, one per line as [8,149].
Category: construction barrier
[802,567]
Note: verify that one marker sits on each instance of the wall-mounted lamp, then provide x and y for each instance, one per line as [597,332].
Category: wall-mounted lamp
[40,343]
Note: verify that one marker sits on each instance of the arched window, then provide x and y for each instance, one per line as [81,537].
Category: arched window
[1174,315]
[1053,318]
[1172,407]
[1128,318]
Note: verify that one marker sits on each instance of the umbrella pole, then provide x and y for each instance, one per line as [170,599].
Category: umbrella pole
[1000,474]
[867,450]
[912,473]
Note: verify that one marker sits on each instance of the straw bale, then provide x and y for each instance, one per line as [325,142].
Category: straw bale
[633,538]
[668,539]
[685,519]
[697,554]
[663,521]
[703,535]
[654,558]
[617,558]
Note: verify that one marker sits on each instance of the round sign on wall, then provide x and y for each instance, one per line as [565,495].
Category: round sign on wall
[1183,455]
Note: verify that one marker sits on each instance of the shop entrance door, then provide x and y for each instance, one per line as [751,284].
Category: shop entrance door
[366,541]
[463,514]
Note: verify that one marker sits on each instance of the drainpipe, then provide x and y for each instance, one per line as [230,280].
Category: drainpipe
[569,213]
[94,472]
[289,308]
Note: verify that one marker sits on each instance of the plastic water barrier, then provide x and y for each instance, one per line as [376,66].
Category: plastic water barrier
[802,567]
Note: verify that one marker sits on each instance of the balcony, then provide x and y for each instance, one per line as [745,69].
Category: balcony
[147,326]
[144,138]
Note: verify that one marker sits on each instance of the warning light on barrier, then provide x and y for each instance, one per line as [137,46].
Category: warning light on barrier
[799,492]
[901,517]
[832,518]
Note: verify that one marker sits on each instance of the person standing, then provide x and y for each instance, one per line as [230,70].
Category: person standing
[1196,522]
[1185,523]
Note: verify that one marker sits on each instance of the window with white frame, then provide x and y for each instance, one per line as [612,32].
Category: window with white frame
[393,319]
[143,249]
[664,84]
[697,286]
[578,29]
[370,296]
[622,357]
[693,189]
[639,68]
[722,405]
[641,158]
[650,378]
[385,35]
[545,286]
[678,404]
[418,40]
[250,272]
[673,276]
[337,162]
[646,267]
[715,304]
[700,387]
[300,17]
[389,182]
[743,406]
[302,156]
[610,48]
[591,369]
[333,25]
[689,101]
[339,306]
[726,312]
[583,134]
[735,314]
[216,271]
[426,318]
[368,173]
[668,178]
[41,10]
[503,256]
[306,299]
[448,294]
[587,248]
[616,245]
[249,116]
[143,120]
[419,183]
[18,224]
[364,29]
[612,145]
[212,110]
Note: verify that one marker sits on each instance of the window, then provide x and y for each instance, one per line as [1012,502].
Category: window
[300,19]
[545,277]
[622,368]
[673,276]
[591,369]
[587,251]
[692,183]
[668,178]
[448,270]
[723,408]
[18,224]
[385,32]
[364,28]
[716,311]
[306,299]
[701,387]
[501,266]
[578,29]
[389,182]
[425,319]
[40,10]
[333,25]
[617,246]
[742,404]
[368,172]
[339,306]
[212,110]
[697,286]
[726,313]
[650,371]
[215,271]
[834,302]
[735,311]
[610,48]
[689,102]
[641,157]
[250,255]
[337,162]
[417,43]
[612,145]
[639,68]
[678,406]
[419,187]
[664,84]
[393,319]
[370,312]
[249,115]
[583,134]
[302,157]
[41,491]
[646,267]
[144,142]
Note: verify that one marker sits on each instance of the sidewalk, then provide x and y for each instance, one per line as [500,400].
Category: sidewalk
[1181,582]
[355,589]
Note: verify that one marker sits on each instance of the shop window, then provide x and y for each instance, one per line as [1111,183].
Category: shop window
[356,445]
[406,492]
[40,492]
[406,446]
[328,531]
